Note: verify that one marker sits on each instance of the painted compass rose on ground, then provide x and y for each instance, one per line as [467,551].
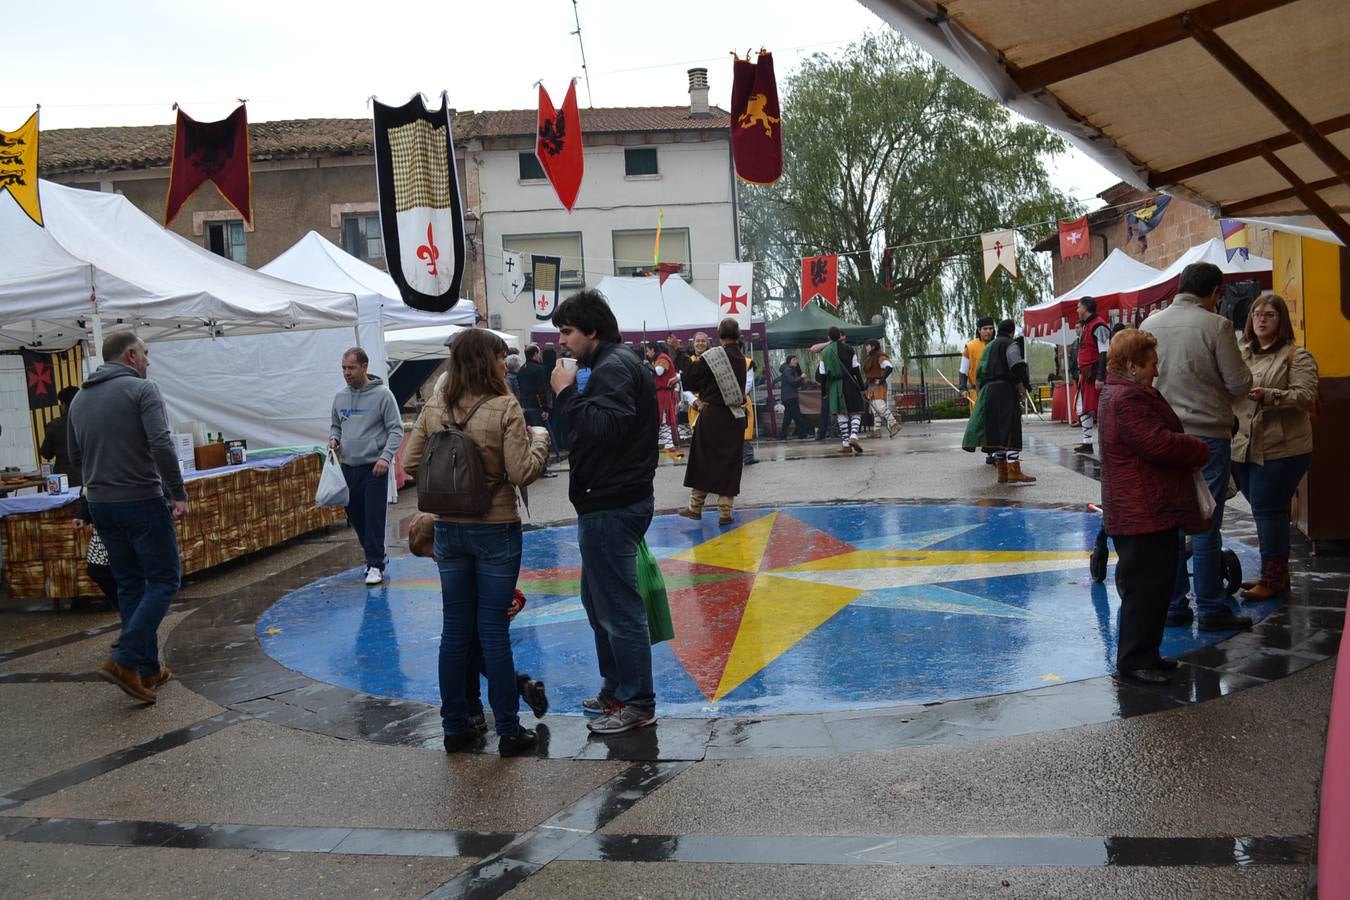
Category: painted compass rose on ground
[790,610]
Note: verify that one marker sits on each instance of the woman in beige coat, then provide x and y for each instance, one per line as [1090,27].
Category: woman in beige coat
[479,558]
[1273,445]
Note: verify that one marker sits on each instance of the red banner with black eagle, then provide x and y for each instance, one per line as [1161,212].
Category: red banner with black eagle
[558,145]
[756,132]
[211,151]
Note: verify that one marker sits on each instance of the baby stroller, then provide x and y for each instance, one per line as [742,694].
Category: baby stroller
[1230,565]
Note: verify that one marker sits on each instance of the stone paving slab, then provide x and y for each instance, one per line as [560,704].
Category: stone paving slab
[692,881]
[48,727]
[105,873]
[86,655]
[261,774]
[1249,763]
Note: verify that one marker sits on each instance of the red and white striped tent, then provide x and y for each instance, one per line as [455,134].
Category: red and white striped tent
[1055,319]
[1158,291]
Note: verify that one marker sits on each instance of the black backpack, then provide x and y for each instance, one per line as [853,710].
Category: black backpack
[453,480]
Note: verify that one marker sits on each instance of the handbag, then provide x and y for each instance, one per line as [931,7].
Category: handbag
[332,483]
[652,587]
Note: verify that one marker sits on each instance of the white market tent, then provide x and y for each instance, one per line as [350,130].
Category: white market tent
[318,262]
[1159,290]
[644,306]
[100,263]
[292,378]
[429,342]
[1054,320]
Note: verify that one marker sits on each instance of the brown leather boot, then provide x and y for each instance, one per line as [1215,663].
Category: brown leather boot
[1015,475]
[695,508]
[1001,465]
[1274,581]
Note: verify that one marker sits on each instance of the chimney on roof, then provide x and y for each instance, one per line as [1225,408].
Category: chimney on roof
[698,94]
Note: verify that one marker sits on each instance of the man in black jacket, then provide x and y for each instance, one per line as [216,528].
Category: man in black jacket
[613,423]
[534,394]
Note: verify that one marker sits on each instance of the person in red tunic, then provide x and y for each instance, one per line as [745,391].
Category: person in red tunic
[1092,350]
[667,398]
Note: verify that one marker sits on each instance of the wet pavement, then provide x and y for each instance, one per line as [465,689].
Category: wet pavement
[863,679]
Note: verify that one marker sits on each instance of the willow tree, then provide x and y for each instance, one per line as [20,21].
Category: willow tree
[886,149]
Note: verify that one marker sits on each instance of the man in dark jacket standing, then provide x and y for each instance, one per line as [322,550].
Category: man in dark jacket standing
[119,439]
[534,395]
[613,438]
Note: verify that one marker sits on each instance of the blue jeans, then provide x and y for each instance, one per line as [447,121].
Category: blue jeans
[367,506]
[608,541]
[479,565]
[1269,488]
[1206,549]
[143,556]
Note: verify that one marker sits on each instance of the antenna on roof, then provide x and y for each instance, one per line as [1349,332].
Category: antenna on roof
[576,14]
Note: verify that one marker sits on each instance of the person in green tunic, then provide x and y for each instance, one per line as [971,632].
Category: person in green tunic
[842,378]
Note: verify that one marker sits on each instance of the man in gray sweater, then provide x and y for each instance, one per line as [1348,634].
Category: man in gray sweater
[366,431]
[119,439]
[1200,374]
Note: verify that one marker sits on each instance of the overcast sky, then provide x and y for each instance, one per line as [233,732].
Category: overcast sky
[92,62]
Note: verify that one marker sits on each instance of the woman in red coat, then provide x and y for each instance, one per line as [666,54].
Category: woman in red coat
[1148,493]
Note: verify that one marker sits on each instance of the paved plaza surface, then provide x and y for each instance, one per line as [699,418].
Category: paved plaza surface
[891,677]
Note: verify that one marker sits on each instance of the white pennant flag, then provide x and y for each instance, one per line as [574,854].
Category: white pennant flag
[513,276]
[1000,250]
[734,286]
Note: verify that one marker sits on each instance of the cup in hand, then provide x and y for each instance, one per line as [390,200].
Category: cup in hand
[567,362]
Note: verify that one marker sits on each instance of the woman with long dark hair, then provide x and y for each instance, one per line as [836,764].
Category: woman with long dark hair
[479,557]
[1274,442]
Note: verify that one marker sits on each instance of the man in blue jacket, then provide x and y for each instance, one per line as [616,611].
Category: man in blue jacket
[613,460]
[119,440]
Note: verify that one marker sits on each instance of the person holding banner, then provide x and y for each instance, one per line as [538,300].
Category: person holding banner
[715,453]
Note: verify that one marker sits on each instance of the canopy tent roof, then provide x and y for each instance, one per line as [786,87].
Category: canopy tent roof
[99,254]
[1054,320]
[429,342]
[648,310]
[1161,288]
[318,262]
[1260,87]
[808,326]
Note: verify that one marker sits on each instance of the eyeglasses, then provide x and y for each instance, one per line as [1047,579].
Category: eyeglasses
[1266,316]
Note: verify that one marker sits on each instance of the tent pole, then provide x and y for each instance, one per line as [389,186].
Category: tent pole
[96,326]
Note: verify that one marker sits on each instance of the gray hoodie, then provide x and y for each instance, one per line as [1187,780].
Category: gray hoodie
[119,438]
[366,423]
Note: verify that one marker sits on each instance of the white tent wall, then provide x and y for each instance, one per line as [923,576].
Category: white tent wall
[272,390]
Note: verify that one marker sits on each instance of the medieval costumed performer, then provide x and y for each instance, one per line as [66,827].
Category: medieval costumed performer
[877,369]
[970,365]
[667,385]
[1092,349]
[996,422]
[421,220]
[715,452]
[842,379]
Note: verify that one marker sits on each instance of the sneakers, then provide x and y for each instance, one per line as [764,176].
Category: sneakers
[599,705]
[518,743]
[532,692]
[129,680]
[478,722]
[460,743]
[374,575]
[621,719]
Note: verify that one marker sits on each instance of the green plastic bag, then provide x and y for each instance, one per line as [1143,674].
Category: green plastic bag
[652,587]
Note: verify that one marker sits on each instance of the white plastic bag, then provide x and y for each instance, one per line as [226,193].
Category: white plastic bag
[332,484]
[1203,497]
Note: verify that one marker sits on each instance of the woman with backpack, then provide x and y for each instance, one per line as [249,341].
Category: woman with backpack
[477,534]
[1274,441]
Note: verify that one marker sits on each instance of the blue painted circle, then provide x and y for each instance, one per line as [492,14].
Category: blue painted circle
[959,601]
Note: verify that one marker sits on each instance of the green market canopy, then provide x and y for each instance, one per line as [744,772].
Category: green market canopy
[809,326]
